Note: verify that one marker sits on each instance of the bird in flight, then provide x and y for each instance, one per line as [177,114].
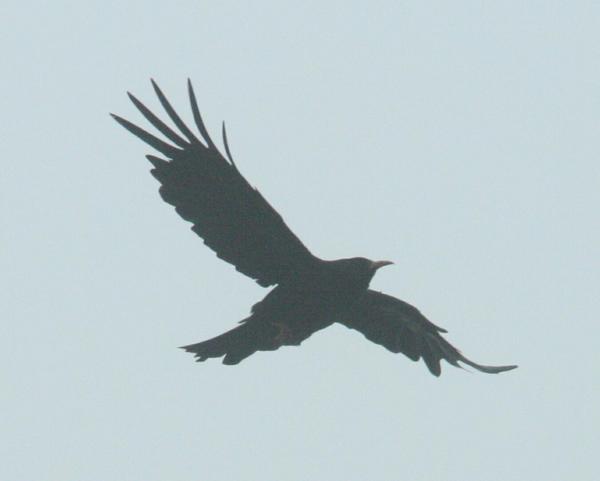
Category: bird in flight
[242,228]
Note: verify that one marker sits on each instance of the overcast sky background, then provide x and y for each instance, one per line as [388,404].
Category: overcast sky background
[459,139]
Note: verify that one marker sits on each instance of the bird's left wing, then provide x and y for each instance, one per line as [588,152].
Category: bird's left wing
[207,189]
[400,327]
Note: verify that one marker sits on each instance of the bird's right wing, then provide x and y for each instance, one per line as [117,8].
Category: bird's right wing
[400,327]
[208,190]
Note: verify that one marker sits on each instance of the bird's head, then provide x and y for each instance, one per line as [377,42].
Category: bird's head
[362,269]
[377,264]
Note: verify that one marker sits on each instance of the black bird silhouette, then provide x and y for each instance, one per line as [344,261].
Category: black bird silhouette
[234,219]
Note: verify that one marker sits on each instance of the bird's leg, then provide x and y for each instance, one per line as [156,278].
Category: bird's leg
[284,335]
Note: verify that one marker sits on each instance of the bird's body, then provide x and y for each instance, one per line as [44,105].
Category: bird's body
[243,229]
[314,298]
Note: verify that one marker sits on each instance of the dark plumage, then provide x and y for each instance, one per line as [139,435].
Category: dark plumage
[242,228]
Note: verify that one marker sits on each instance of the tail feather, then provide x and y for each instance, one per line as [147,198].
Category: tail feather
[236,344]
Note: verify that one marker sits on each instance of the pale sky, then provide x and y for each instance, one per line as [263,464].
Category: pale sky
[459,139]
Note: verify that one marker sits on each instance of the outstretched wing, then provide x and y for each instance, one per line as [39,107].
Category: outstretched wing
[400,327]
[207,189]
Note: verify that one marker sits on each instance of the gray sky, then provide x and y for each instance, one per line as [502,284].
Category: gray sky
[459,139]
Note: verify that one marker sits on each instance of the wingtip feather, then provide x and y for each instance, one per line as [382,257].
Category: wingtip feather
[173,114]
[147,137]
[198,118]
[226,144]
[488,369]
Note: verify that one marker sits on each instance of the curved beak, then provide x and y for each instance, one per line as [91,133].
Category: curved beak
[377,264]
